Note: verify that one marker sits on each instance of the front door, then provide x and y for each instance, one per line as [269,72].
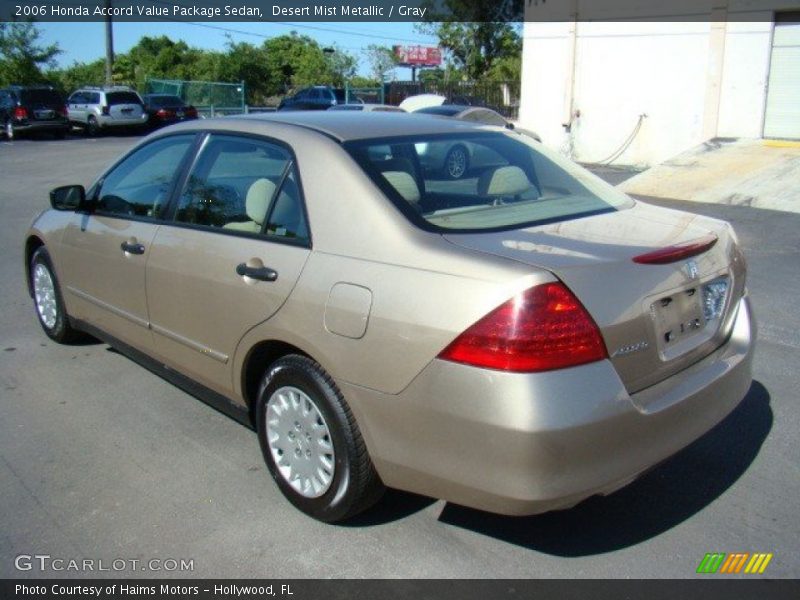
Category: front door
[229,259]
[106,249]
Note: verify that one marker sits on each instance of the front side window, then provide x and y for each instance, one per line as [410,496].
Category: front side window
[139,186]
[243,185]
[482,181]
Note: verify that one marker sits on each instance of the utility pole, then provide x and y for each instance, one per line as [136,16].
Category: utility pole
[109,46]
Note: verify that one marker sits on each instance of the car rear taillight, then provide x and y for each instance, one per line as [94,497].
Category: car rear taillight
[104,110]
[165,113]
[543,328]
[63,111]
[20,112]
[191,112]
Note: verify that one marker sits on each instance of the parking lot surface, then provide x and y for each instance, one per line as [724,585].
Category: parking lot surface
[101,459]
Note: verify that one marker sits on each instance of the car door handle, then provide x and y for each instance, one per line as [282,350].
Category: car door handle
[132,248]
[260,273]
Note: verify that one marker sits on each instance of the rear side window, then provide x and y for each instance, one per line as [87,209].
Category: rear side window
[46,97]
[114,98]
[244,185]
[139,185]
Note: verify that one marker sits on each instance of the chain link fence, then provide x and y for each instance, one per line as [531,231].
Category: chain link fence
[211,98]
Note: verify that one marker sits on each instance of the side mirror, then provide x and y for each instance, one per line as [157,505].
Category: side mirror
[510,126]
[68,197]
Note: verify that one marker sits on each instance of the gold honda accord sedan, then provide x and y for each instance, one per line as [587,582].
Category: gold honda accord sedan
[515,340]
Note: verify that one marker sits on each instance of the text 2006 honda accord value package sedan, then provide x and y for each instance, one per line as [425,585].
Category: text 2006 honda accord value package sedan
[515,340]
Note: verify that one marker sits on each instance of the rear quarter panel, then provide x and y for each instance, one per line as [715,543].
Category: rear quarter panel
[423,291]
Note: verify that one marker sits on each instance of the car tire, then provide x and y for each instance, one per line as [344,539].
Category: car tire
[456,163]
[47,300]
[92,127]
[311,442]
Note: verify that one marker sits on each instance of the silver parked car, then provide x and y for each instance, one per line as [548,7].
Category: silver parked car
[516,340]
[454,160]
[98,109]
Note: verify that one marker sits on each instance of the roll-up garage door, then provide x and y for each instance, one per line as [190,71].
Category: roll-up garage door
[783,96]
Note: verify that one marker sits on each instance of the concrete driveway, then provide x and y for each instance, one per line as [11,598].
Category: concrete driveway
[101,459]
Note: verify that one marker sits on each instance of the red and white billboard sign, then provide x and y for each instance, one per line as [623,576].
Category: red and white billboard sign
[418,56]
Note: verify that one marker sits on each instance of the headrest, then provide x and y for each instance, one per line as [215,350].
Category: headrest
[405,185]
[258,196]
[396,164]
[503,181]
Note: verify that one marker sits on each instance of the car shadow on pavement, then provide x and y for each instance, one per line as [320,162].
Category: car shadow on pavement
[663,498]
[394,505]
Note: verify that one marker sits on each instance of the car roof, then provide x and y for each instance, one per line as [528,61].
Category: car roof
[345,125]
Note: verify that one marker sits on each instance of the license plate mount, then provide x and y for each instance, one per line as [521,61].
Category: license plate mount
[678,316]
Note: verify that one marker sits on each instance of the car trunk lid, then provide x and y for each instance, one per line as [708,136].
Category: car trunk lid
[650,312]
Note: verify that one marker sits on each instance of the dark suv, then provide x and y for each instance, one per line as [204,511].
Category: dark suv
[26,109]
[319,97]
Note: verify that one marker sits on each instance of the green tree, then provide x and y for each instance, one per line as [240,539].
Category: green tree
[22,56]
[292,61]
[475,47]
[506,68]
[79,74]
[341,66]
[246,62]
[382,61]
[359,81]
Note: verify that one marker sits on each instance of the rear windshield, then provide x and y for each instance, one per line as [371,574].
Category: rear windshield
[165,101]
[482,181]
[122,98]
[41,97]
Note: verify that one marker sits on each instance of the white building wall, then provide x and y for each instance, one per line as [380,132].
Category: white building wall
[744,79]
[669,71]
[625,70]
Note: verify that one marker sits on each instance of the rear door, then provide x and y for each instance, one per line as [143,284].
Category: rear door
[230,257]
[124,105]
[105,252]
[76,105]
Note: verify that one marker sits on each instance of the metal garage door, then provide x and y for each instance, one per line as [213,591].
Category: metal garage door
[783,97]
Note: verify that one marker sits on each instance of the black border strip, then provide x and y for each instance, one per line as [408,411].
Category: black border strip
[427,589]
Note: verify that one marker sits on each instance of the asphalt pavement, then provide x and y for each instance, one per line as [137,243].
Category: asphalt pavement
[102,460]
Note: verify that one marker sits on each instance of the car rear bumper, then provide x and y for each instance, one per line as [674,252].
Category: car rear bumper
[527,443]
[42,126]
[108,121]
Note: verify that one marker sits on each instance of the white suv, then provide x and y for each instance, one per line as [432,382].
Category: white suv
[98,108]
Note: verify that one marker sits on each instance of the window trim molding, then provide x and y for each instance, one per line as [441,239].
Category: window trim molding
[97,186]
[170,211]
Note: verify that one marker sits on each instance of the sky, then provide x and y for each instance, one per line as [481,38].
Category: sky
[85,42]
